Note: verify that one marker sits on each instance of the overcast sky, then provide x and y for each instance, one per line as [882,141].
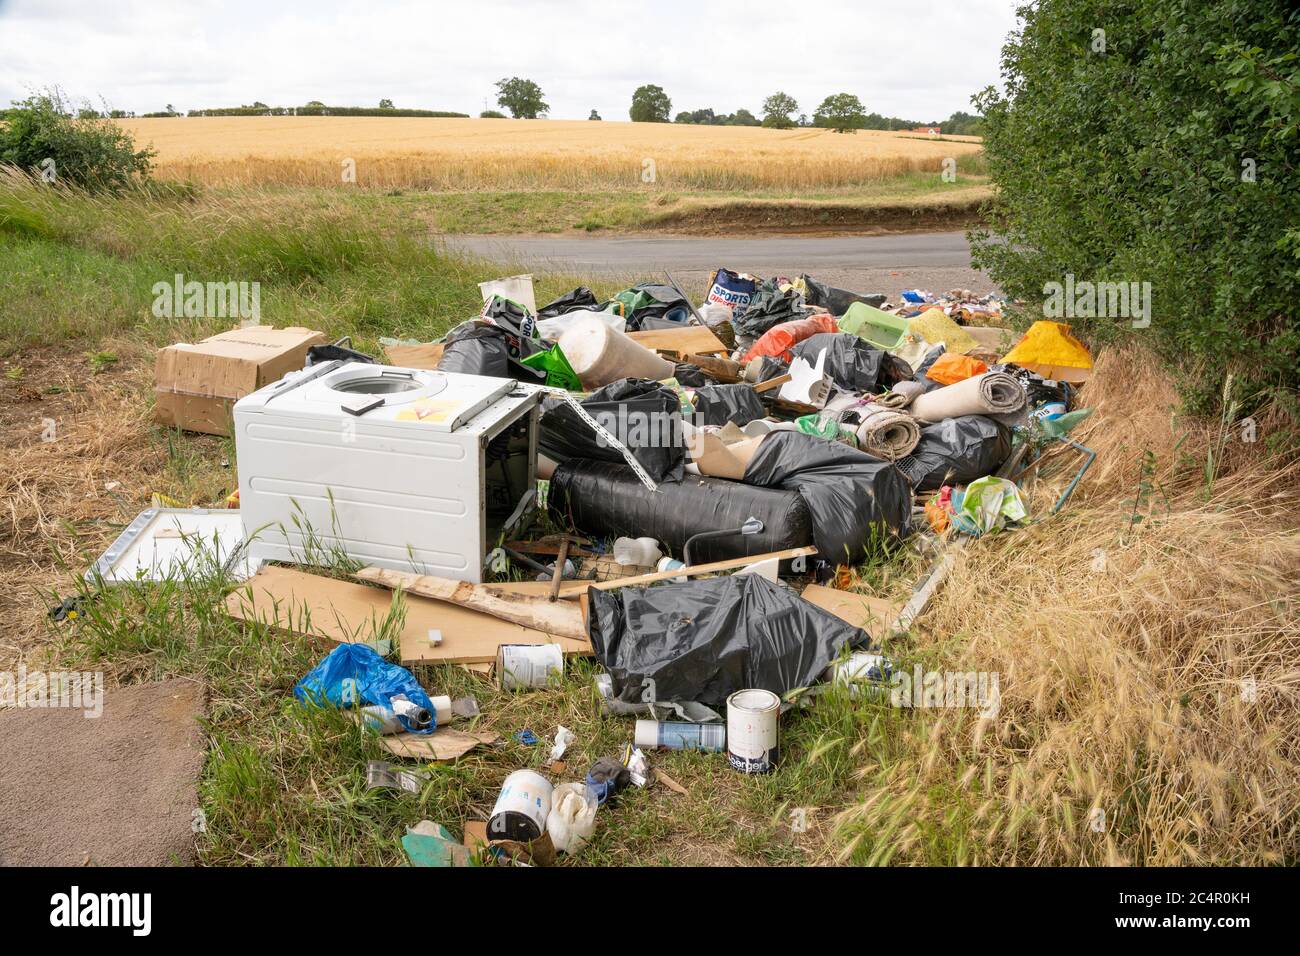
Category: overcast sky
[916,59]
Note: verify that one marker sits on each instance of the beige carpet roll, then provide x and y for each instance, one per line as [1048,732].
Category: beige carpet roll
[993,393]
[901,395]
[887,433]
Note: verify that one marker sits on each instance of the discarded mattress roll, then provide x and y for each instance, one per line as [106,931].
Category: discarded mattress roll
[887,433]
[706,639]
[607,500]
[956,451]
[993,393]
[854,499]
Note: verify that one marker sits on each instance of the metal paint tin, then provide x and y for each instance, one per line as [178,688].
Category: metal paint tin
[525,666]
[522,807]
[752,733]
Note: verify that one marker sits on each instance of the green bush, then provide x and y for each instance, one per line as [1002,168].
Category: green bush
[1156,141]
[41,137]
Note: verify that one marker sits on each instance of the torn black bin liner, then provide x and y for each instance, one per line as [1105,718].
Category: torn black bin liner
[645,416]
[704,640]
[607,501]
[719,404]
[855,501]
[957,451]
[579,298]
[769,306]
[837,301]
[480,348]
[852,364]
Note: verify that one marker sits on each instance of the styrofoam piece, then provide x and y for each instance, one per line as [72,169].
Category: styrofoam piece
[164,542]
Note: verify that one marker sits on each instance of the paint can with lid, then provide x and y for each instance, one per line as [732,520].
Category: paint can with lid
[752,739]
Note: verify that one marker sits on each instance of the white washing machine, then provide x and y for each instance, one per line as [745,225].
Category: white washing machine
[402,468]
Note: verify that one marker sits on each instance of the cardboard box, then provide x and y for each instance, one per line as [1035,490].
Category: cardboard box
[196,385]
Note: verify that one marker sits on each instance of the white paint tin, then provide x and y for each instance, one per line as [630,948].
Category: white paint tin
[522,807]
[752,742]
[525,666]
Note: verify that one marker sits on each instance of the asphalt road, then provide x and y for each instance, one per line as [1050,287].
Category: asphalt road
[888,263]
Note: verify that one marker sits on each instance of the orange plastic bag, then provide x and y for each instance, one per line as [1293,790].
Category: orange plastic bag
[780,339]
[950,368]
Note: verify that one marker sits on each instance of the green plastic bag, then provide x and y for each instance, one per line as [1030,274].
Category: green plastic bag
[559,373]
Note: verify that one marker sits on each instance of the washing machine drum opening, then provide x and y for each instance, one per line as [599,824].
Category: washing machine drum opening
[378,385]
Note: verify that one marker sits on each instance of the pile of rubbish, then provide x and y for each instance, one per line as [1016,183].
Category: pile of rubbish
[672,489]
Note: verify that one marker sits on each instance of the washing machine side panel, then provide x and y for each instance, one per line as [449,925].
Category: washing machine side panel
[393,496]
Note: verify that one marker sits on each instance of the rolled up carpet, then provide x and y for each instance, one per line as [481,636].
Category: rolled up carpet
[887,433]
[901,395]
[993,393]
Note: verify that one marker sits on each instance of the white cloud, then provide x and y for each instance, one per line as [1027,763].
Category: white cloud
[918,59]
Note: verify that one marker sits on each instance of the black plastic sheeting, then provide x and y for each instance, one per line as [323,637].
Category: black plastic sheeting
[837,301]
[719,404]
[480,348]
[579,298]
[853,364]
[704,640]
[956,451]
[856,502]
[607,500]
[645,416]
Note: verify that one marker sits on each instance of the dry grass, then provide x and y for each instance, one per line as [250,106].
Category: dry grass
[460,154]
[1148,666]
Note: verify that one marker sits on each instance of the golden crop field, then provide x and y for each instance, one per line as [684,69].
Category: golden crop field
[468,154]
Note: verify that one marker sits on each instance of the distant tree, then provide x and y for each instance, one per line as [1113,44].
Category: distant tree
[704,117]
[316,103]
[87,113]
[259,105]
[523,98]
[491,114]
[962,124]
[777,109]
[385,104]
[650,104]
[743,117]
[804,120]
[842,112]
[594,115]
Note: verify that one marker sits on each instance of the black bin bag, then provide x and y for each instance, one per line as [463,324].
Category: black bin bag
[645,416]
[607,501]
[853,364]
[956,451]
[837,301]
[855,501]
[704,640]
[480,348]
[719,404]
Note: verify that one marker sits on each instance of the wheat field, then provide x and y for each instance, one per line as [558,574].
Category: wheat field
[470,154]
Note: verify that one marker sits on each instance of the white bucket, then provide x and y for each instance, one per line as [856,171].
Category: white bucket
[521,808]
[752,730]
[600,355]
[525,666]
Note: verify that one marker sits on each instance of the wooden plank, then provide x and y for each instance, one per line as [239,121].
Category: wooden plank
[561,618]
[689,338]
[872,614]
[302,603]
[688,572]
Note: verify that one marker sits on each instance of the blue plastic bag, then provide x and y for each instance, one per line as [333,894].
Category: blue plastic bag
[354,675]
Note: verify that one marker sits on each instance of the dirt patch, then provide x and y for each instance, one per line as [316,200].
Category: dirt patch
[826,219]
[116,790]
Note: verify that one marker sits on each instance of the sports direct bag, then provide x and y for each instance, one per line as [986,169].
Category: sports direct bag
[732,290]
